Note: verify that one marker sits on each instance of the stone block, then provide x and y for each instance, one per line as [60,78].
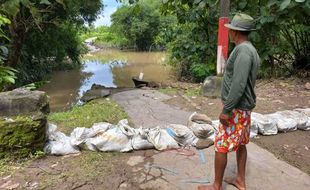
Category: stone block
[212,86]
[23,102]
[23,122]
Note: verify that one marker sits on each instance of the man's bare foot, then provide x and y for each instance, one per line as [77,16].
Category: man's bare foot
[208,187]
[235,182]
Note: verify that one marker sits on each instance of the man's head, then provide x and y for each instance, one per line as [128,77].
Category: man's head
[236,35]
[240,27]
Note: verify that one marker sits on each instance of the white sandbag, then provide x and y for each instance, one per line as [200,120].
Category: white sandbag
[202,130]
[161,139]
[116,138]
[301,118]
[284,124]
[265,125]
[253,130]
[58,143]
[200,125]
[139,141]
[181,134]
[304,111]
[215,124]
[80,134]
[212,137]
[306,114]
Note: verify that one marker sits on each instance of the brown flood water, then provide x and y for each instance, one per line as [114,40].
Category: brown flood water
[111,68]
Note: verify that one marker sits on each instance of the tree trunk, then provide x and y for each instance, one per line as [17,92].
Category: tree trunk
[272,65]
[17,31]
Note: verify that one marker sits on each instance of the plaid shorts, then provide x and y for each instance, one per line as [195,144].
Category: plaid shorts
[236,134]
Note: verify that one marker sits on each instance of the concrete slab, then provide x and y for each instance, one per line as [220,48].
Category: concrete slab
[169,170]
[264,171]
[146,108]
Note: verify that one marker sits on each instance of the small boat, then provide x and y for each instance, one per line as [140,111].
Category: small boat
[140,83]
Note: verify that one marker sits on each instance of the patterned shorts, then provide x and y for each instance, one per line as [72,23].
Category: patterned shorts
[236,134]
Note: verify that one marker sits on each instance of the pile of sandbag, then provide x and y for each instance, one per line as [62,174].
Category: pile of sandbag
[123,138]
[199,133]
[281,121]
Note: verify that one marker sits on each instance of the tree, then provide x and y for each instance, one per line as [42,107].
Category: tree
[139,23]
[194,49]
[45,31]
[28,15]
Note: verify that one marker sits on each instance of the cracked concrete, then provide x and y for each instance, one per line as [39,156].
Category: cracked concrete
[169,170]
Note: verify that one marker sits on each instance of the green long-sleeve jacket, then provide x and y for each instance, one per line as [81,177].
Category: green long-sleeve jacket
[240,77]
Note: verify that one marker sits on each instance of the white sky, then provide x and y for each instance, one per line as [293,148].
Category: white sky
[109,9]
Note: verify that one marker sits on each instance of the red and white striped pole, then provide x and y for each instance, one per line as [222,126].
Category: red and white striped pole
[222,47]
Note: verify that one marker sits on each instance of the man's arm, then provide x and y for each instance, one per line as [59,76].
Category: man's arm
[242,67]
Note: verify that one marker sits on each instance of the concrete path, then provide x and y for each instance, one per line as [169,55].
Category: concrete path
[169,170]
[146,108]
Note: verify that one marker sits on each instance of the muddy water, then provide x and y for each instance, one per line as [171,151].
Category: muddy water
[111,68]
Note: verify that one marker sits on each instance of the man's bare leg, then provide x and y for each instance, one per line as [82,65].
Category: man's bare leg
[219,167]
[239,181]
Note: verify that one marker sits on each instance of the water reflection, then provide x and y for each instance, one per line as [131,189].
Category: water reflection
[110,68]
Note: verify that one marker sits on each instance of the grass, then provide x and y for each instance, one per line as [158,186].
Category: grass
[170,91]
[193,92]
[190,92]
[100,110]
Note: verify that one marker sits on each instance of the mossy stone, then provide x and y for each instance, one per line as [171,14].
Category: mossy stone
[22,135]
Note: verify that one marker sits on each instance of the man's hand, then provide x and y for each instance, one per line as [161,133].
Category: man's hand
[224,119]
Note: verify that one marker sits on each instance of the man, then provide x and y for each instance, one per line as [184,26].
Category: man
[239,99]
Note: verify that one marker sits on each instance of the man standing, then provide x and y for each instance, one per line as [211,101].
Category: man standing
[239,99]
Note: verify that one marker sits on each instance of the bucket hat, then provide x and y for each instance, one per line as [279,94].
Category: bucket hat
[241,22]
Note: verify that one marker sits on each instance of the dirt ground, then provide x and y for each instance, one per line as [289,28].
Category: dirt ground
[292,147]
[272,95]
[88,170]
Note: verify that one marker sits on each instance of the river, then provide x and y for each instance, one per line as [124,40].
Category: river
[111,68]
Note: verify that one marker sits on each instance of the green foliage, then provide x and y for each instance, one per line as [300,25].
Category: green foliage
[140,24]
[193,48]
[7,74]
[105,37]
[3,21]
[110,40]
[44,34]
[282,37]
[283,33]
[90,32]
